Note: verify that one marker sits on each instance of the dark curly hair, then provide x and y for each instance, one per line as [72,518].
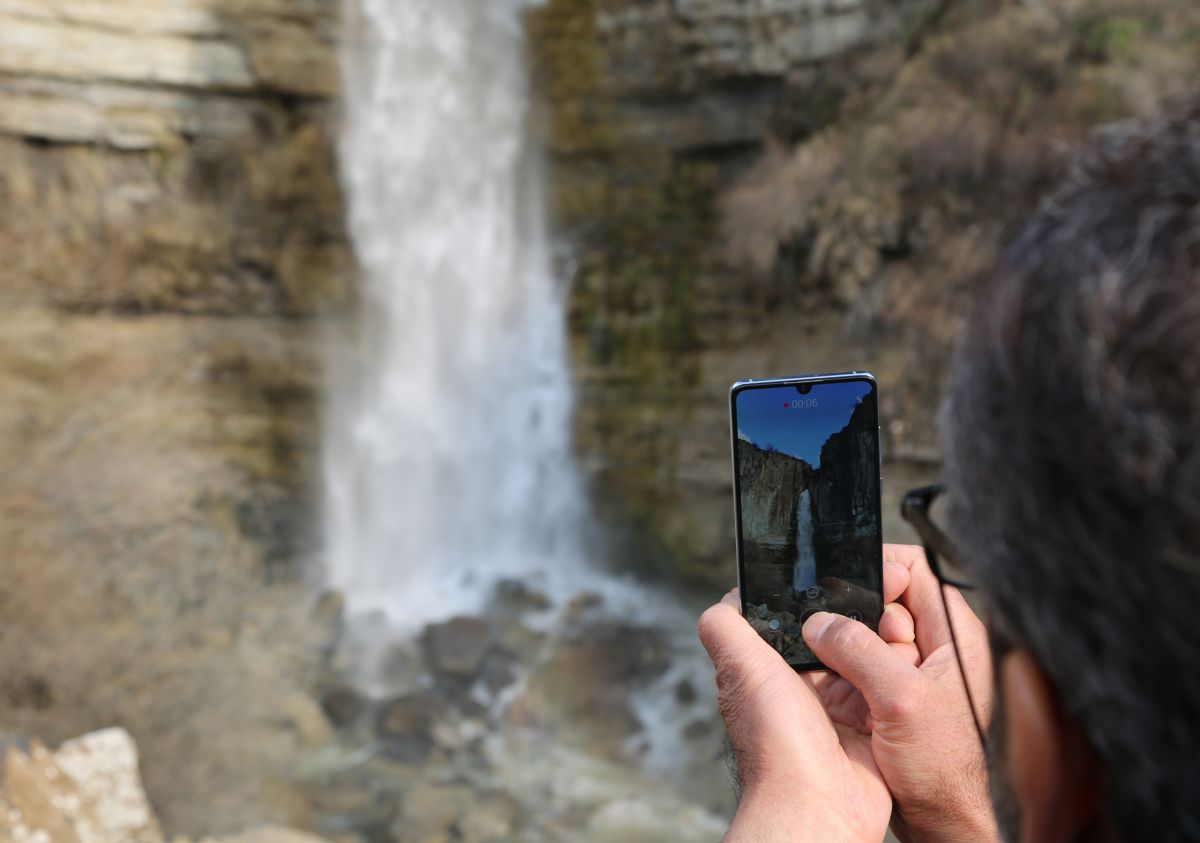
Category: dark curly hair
[1072,432]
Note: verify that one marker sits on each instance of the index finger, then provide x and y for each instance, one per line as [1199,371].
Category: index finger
[895,578]
[922,598]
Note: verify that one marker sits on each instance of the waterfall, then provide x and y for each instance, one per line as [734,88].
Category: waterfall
[448,461]
[804,574]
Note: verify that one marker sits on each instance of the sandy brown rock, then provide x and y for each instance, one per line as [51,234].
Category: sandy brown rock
[170,157]
[89,791]
[266,834]
[154,511]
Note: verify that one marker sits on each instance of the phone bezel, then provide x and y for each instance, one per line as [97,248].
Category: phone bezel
[772,383]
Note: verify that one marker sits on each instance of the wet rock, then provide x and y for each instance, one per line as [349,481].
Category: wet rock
[429,809]
[519,641]
[343,704]
[306,719]
[363,799]
[589,679]
[351,804]
[685,692]
[518,597]
[330,609]
[455,812]
[491,819]
[698,729]
[498,673]
[405,726]
[456,647]
[400,668]
[584,603]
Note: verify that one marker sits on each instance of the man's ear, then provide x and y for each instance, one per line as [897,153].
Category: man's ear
[1056,775]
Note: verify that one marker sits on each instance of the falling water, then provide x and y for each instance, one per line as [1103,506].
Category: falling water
[448,460]
[804,574]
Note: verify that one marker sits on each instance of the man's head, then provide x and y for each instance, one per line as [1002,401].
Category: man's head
[1073,463]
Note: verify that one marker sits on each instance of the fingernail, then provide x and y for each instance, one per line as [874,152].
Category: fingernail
[816,625]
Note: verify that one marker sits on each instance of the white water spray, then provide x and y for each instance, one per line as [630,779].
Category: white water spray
[448,457]
[804,574]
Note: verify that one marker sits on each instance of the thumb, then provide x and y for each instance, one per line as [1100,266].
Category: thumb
[771,716]
[737,651]
[885,679]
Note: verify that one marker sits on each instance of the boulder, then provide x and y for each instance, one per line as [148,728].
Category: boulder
[343,704]
[405,726]
[456,647]
[515,596]
[89,791]
[455,811]
[266,834]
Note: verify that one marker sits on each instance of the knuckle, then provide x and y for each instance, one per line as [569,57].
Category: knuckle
[903,706]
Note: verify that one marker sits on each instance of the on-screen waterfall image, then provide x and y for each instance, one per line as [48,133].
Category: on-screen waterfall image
[804,574]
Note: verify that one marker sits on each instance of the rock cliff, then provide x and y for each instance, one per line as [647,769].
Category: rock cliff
[169,157]
[757,189]
[771,484]
[171,220]
[651,111]
[841,541]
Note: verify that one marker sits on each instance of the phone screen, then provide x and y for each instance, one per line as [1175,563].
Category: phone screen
[807,485]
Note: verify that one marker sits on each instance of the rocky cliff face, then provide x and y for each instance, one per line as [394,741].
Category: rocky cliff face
[651,111]
[771,484]
[171,218]
[169,157]
[756,189]
[845,512]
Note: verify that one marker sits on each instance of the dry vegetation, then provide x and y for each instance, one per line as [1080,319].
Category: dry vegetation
[889,213]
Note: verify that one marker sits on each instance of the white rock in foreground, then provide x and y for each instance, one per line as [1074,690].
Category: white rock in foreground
[90,791]
[104,766]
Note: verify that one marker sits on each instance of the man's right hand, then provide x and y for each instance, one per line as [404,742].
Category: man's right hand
[923,735]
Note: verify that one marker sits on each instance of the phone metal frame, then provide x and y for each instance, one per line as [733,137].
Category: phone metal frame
[756,383]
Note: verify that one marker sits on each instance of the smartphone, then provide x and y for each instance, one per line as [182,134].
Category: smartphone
[806,478]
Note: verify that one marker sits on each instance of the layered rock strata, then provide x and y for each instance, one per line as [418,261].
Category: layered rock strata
[171,221]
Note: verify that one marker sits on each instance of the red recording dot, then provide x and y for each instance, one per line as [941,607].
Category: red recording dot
[786,404]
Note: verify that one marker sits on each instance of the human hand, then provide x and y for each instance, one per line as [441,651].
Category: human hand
[910,698]
[801,741]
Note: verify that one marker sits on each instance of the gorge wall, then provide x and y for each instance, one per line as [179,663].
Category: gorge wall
[171,222]
[758,189]
[653,112]
[840,541]
[771,483]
